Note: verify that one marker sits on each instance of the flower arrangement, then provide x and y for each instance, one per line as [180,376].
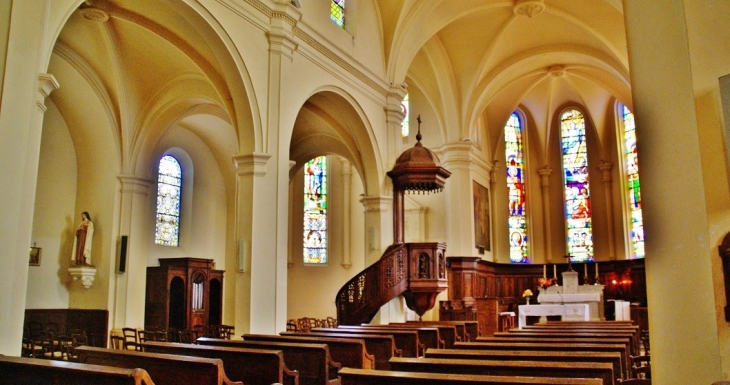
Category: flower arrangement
[546,282]
[527,293]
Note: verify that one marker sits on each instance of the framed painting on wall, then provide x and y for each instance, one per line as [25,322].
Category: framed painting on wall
[481,216]
[35,256]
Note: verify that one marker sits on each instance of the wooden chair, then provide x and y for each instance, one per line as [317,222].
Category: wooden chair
[117,342]
[186,336]
[129,334]
[641,366]
[644,337]
[144,336]
[291,325]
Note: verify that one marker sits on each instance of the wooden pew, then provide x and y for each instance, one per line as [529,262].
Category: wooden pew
[604,371]
[549,346]
[596,328]
[610,341]
[634,345]
[382,347]
[468,330]
[448,334]
[351,353]
[250,366]
[313,361]
[428,336]
[533,355]
[459,329]
[351,376]
[33,371]
[162,368]
[405,340]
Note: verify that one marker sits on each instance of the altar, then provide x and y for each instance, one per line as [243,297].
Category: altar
[566,312]
[572,293]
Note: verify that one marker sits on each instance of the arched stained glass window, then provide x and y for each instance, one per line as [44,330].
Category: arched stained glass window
[514,157]
[577,190]
[315,211]
[169,181]
[337,12]
[405,126]
[633,185]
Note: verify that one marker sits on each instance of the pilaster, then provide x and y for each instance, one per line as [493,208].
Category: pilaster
[133,219]
[394,119]
[545,185]
[346,188]
[605,168]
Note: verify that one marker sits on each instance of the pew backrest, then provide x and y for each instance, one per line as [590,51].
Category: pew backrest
[382,347]
[33,371]
[604,371]
[405,340]
[250,366]
[313,361]
[350,353]
[351,376]
[162,368]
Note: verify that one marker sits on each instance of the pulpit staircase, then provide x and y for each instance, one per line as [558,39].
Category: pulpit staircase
[415,270]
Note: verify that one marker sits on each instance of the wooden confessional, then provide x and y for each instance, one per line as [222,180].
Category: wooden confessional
[182,293]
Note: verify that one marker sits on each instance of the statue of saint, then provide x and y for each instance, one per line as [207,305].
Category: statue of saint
[82,241]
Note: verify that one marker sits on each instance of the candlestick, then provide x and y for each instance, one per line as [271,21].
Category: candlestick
[596,269]
[585,270]
[555,271]
[544,271]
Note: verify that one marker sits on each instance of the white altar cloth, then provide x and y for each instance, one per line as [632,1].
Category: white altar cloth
[571,311]
[558,298]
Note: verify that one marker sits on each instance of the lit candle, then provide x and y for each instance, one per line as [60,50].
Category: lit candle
[544,271]
[555,271]
[596,269]
[585,270]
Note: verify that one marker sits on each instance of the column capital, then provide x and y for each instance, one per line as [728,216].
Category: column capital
[378,203]
[545,173]
[393,111]
[251,164]
[135,184]
[47,83]
[606,168]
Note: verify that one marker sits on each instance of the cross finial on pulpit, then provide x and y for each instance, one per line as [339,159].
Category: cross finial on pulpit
[570,262]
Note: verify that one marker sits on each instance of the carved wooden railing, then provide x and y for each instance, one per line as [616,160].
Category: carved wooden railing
[415,270]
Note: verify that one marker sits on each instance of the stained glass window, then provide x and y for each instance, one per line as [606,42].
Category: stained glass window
[405,106]
[337,12]
[315,211]
[169,177]
[577,190]
[634,188]
[518,250]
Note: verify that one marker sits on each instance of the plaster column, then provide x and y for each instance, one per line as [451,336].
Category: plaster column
[394,119]
[22,103]
[545,184]
[289,252]
[605,168]
[346,186]
[459,201]
[134,217]
[679,279]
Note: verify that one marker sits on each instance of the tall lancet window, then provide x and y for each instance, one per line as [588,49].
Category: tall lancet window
[577,189]
[337,12]
[633,185]
[315,211]
[514,157]
[405,126]
[169,181]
